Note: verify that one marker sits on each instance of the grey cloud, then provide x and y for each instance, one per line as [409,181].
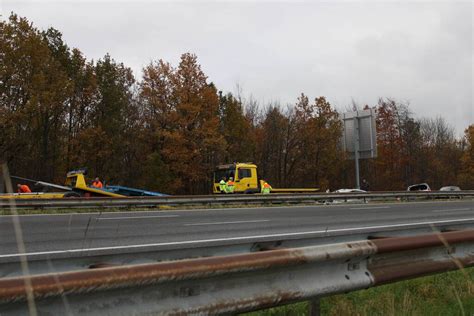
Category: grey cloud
[416,51]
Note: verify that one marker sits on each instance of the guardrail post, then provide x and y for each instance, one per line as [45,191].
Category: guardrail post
[315,307]
[2,182]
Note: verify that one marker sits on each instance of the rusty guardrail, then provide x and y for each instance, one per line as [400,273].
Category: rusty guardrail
[239,283]
[205,200]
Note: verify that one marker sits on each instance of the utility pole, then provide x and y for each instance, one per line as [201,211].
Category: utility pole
[356,149]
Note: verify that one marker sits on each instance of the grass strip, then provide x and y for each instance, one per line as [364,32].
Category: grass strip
[450,293]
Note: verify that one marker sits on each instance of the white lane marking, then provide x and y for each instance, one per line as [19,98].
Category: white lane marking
[225,223]
[191,242]
[369,207]
[134,217]
[452,210]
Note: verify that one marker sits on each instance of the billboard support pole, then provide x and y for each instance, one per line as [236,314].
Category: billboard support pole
[359,137]
[356,149]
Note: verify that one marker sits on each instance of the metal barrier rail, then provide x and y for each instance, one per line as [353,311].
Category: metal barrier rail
[239,283]
[225,199]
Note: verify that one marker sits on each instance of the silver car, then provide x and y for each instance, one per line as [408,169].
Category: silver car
[450,188]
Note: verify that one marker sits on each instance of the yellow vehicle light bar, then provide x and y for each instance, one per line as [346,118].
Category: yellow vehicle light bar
[292,190]
[33,195]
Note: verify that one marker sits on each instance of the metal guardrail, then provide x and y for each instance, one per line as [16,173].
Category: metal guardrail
[226,199]
[239,283]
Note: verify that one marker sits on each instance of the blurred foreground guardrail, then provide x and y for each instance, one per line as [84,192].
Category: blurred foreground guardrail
[228,199]
[238,283]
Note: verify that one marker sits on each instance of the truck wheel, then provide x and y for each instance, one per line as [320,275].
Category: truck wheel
[71,195]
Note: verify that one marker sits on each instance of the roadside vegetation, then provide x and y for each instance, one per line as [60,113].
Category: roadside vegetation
[449,293]
[166,128]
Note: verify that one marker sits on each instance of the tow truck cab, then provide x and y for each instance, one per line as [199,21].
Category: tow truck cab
[244,175]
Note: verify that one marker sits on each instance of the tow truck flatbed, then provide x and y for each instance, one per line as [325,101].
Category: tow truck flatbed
[76,186]
[132,191]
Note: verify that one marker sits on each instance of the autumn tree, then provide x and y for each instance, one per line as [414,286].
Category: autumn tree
[300,147]
[186,124]
[413,150]
[107,139]
[389,162]
[80,105]
[440,158]
[157,101]
[320,130]
[83,96]
[236,129]
[272,137]
[33,91]
[466,176]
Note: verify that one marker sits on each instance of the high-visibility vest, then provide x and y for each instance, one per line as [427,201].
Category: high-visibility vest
[97,184]
[230,186]
[24,189]
[222,186]
[266,188]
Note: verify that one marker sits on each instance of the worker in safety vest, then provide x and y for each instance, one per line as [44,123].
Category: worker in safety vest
[97,184]
[222,185]
[266,188]
[23,188]
[229,187]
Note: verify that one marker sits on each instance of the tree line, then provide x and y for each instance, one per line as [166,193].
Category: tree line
[168,129]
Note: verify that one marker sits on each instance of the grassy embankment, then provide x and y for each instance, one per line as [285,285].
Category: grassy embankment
[442,294]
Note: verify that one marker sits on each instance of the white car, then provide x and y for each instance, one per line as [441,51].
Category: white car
[350,191]
[351,200]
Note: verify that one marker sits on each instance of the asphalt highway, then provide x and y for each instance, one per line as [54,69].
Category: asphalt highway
[82,231]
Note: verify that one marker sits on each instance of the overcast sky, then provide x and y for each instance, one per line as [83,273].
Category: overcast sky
[420,52]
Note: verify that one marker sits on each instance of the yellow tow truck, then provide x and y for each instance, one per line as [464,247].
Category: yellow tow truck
[246,179]
[75,186]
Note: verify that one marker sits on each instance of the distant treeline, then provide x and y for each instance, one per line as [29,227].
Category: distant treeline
[167,130]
